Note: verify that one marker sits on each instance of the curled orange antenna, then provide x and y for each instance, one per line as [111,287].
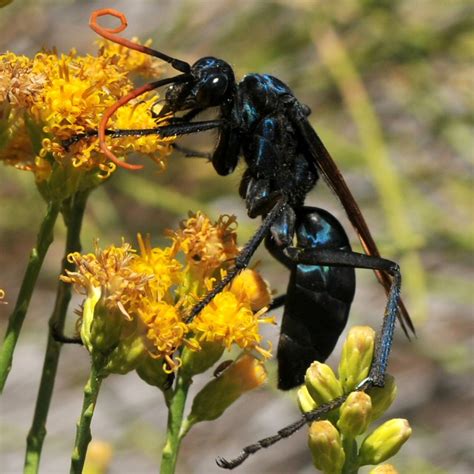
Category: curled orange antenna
[105,119]
[111,35]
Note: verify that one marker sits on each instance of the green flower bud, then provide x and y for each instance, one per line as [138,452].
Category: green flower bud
[326,447]
[355,414]
[322,383]
[196,362]
[100,328]
[245,374]
[305,401]
[126,356]
[382,397]
[384,469]
[114,342]
[356,357]
[151,371]
[384,442]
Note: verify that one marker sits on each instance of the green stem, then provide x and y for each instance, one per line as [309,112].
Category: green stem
[83,433]
[350,449]
[175,420]
[43,241]
[73,211]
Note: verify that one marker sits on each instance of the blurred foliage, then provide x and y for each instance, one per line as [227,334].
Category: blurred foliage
[415,63]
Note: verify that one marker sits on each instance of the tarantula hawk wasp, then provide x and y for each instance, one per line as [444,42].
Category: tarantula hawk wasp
[261,119]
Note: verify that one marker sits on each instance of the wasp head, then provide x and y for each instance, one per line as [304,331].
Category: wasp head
[212,82]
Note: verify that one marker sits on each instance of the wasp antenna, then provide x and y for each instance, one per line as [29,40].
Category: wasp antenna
[124,100]
[111,35]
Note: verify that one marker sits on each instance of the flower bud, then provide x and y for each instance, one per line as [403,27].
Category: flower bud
[126,356]
[384,469]
[322,383]
[356,357]
[382,397]
[100,328]
[384,442]
[245,374]
[151,371]
[250,286]
[196,362]
[355,414]
[305,401]
[326,448]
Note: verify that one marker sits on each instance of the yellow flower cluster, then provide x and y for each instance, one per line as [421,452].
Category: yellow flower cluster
[155,291]
[53,97]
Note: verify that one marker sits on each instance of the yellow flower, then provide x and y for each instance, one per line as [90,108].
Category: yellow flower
[160,264]
[207,245]
[226,320]
[166,330]
[110,270]
[63,96]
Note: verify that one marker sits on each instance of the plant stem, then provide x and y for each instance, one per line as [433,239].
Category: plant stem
[43,241]
[350,449]
[175,420]
[83,433]
[73,211]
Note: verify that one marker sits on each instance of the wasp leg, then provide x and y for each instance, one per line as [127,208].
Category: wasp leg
[189,153]
[357,260]
[59,336]
[243,259]
[382,349]
[164,131]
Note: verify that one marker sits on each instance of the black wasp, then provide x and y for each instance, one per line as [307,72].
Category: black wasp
[262,121]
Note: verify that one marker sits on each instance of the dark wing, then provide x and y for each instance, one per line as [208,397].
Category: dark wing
[336,182]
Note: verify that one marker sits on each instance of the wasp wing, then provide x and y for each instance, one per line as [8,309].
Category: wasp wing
[333,177]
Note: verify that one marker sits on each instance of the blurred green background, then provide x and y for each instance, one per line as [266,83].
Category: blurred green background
[390,84]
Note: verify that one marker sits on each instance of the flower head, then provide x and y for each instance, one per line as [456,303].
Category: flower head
[207,245]
[153,293]
[48,102]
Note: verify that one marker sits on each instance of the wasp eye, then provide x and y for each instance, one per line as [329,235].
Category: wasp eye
[211,90]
